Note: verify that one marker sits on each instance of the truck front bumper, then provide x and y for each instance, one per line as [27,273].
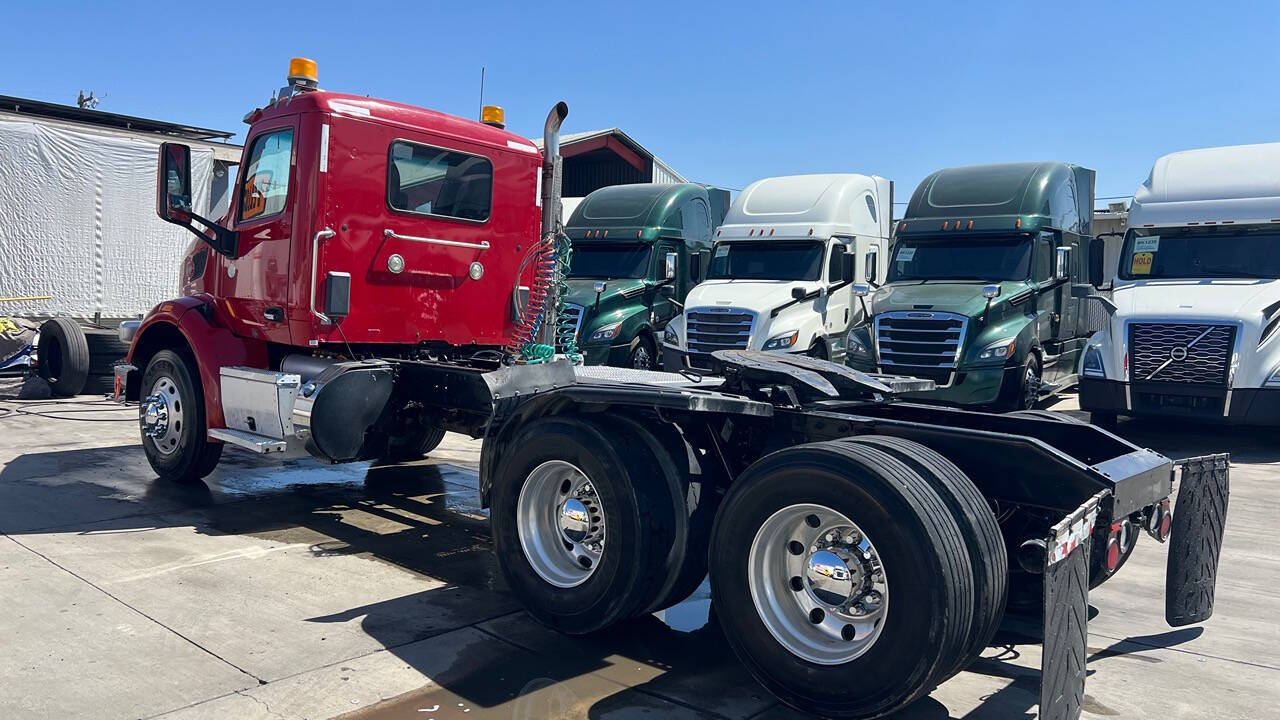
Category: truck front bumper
[969,386]
[1246,406]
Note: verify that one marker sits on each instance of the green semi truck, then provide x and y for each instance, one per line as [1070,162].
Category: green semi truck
[637,251]
[978,293]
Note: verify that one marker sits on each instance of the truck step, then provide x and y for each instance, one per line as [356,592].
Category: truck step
[249,441]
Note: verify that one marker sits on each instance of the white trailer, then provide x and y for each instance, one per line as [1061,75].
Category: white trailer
[1195,308]
[782,271]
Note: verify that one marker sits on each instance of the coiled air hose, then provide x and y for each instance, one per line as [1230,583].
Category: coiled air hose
[551,268]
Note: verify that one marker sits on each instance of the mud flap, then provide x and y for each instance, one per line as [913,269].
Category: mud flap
[1066,613]
[1199,520]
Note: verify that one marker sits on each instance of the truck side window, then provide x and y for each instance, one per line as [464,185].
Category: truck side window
[434,181]
[871,207]
[1044,259]
[266,177]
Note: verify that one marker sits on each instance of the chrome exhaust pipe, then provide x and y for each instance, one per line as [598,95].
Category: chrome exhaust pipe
[551,167]
[552,176]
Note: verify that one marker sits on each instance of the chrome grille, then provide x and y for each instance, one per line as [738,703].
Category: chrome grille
[1181,352]
[923,344]
[572,314]
[718,329]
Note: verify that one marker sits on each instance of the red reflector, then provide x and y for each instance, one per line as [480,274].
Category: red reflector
[946,225]
[1166,524]
[970,226]
[1017,223]
[1113,554]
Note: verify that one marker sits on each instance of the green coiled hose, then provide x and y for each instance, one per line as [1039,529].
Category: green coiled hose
[565,334]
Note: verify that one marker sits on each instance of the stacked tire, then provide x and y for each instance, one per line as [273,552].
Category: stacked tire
[76,360]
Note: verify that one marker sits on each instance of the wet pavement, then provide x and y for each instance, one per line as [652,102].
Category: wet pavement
[286,588]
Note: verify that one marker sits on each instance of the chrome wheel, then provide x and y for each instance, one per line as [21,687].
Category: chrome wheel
[560,523]
[818,584]
[161,415]
[1031,386]
[641,357]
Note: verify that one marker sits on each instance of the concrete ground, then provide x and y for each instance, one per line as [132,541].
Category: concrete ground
[283,588]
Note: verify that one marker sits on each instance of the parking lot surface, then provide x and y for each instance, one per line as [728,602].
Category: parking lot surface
[282,588]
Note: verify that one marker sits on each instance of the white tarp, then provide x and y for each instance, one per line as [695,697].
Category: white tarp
[78,220]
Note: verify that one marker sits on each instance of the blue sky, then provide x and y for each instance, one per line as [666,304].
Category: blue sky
[724,92]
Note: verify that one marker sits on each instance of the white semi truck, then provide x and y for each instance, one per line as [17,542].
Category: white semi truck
[1195,308]
[783,267]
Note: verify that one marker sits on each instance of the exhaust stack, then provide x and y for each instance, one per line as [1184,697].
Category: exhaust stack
[552,169]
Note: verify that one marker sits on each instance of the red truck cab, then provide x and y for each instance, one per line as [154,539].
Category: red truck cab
[358,229]
[403,210]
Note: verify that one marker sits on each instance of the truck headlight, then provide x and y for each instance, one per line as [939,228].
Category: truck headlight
[856,347]
[998,351]
[669,336]
[782,342]
[608,332]
[1092,366]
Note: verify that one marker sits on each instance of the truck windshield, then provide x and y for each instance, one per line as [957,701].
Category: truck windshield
[1220,252]
[609,260]
[952,258]
[761,260]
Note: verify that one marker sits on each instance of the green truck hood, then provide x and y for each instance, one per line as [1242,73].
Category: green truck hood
[582,292]
[964,298]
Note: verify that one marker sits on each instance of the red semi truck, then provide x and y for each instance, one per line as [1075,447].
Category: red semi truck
[386,272]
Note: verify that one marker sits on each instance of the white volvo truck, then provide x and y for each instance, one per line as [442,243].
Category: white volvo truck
[1195,309]
[783,267]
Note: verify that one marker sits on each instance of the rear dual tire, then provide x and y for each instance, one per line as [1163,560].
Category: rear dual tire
[588,522]
[927,629]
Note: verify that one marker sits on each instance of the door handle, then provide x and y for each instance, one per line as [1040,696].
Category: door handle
[274,314]
[482,245]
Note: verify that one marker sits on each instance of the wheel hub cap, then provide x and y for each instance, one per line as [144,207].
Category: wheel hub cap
[818,584]
[561,524]
[161,415]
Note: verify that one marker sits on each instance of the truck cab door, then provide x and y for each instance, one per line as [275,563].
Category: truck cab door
[255,284]
[839,300]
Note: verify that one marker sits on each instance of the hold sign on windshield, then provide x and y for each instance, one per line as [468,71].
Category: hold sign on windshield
[1144,254]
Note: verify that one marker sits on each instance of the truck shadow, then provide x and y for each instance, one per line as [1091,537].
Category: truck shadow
[425,517]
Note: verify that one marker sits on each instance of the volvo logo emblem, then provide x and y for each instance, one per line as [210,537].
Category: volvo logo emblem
[1178,354]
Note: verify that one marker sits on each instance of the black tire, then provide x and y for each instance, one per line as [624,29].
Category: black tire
[1021,392]
[694,506]
[987,553]
[636,512]
[644,355]
[99,385]
[105,350]
[193,456]
[417,442]
[64,356]
[925,630]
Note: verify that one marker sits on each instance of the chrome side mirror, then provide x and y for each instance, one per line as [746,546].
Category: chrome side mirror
[861,290]
[991,292]
[600,286]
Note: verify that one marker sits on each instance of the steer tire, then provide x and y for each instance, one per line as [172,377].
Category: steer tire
[63,353]
[987,553]
[927,623]
[636,509]
[193,457]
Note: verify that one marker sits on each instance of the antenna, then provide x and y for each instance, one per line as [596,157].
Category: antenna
[482,92]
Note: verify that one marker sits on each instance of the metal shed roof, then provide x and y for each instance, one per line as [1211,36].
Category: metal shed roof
[40,108]
[662,172]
